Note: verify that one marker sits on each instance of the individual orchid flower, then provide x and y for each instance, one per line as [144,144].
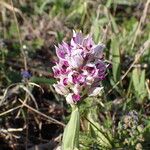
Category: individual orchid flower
[76,60]
[72,98]
[98,51]
[60,89]
[95,91]
[76,39]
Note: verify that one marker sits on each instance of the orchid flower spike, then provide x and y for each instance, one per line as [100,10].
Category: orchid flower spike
[80,68]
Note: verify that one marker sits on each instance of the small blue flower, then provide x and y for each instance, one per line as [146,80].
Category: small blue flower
[25,74]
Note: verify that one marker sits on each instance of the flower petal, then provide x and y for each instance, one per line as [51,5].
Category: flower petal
[77,89]
[77,38]
[95,91]
[62,50]
[98,51]
[76,61]
[76,97]
[69,98]
[88,43]
[60,89]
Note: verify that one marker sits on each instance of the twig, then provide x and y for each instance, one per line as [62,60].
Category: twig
[9,92]
[10,110]
[28,93]
[27,97]
[19,111]
[11,130]
[41,114]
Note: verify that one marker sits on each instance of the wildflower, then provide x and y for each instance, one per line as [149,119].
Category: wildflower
[25,74]
[129,128]
[80,68]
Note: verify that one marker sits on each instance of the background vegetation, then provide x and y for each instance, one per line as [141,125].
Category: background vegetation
[32,114]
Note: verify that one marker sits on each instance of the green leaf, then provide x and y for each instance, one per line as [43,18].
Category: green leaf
[12,30]
[135,78]
[125,2]
[95,28]
[70,139]
[42,80]
[97,132]
[138,78]
[115,58]
[113,23]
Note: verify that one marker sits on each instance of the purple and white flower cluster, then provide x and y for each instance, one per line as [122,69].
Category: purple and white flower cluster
[80,68]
